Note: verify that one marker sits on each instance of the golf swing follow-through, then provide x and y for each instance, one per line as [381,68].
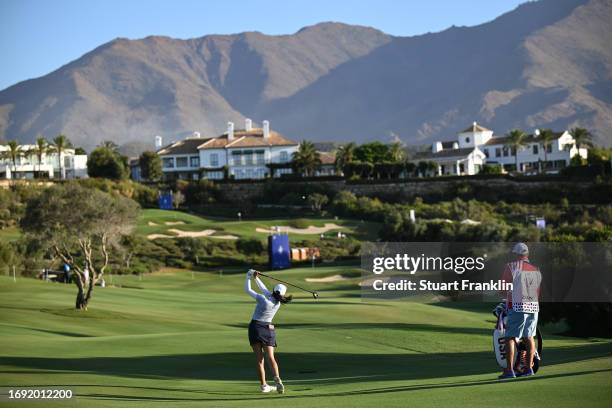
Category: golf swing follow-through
[262,334]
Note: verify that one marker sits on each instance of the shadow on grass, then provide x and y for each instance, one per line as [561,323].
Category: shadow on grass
[386,326]
[194,394]
[313,368]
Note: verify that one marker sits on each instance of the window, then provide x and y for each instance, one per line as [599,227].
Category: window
[168,162]
[461,168]
[181,162]
[549,148]
[248,158]
[214,160]
[513,151]
[486,152]
[535,149]
[237,158]
[467,140]
[497,152]
[284,156]
[194,161]
[260,157]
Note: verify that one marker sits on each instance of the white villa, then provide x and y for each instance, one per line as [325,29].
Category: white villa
[477,145]
[28,167]
[244,154]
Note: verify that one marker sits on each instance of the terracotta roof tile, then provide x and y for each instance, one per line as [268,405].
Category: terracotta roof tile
[243,138]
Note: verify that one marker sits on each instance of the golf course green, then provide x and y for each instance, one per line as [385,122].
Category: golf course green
[177,338]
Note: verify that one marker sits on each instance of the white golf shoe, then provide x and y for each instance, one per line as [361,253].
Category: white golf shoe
[280,388]
[267,388]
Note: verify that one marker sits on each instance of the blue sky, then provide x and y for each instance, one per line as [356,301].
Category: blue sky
[39,36]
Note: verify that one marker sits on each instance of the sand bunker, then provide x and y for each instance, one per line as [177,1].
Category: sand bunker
[467,221]
[333,278]
[156,236]
[174,222]
[151,224]
[310,230]
[191,234]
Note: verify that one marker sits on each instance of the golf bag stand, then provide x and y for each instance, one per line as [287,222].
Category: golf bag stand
[499,343]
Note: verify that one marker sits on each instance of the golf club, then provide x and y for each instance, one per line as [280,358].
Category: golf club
[315,295]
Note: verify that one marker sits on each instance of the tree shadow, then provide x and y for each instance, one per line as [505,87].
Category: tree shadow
[315,367]
[386,326]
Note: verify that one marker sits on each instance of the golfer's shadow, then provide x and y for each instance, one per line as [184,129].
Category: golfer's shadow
[307,369]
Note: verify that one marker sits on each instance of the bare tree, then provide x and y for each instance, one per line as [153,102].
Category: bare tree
[79,226]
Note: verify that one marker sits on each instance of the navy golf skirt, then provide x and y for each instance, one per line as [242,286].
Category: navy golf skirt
[262,332]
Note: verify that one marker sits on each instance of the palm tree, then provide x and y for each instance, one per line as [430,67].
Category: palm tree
[582,137]
[40,148]
[59,145]
[517,140]
[546,136]
[397,152]
[13,153]
[306,159]
[345,155]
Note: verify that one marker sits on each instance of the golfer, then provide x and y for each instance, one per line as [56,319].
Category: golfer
[262,335]
[523,308]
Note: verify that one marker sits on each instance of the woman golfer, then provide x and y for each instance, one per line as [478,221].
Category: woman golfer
[262,335]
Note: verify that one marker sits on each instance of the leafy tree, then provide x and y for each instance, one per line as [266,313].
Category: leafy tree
[306,160]
[80,151]
[79,226]
[59,145]
[345,155]
[546,136]
[110,145]
[317,201]
[491,169]
[517,140]
[582,137]
[106,163]
[150,166]
[374,152]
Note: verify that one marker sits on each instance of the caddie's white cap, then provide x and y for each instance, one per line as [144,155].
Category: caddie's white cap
[281,289]
[520,248]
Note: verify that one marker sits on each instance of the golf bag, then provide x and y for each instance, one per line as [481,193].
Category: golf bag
[499,343]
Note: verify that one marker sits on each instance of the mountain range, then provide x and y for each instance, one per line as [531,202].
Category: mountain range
[545,64]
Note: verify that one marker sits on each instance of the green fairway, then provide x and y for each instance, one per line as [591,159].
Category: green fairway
[177,338]
[163,221]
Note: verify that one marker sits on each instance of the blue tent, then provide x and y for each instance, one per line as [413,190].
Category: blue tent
[165,201]
[278,251]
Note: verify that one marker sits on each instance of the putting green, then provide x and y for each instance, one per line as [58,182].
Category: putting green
[177,338]
[162,221]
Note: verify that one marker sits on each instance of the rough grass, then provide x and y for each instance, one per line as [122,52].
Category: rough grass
[179,338]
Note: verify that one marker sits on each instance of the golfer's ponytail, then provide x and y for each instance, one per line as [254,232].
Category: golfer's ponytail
[281,298]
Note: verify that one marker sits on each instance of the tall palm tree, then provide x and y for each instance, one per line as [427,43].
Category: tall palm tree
[59,145]
[517,140]
[306,159]
[582,137]
[397,153]
[13,153]
[345,155]
[546,137]
[40,148]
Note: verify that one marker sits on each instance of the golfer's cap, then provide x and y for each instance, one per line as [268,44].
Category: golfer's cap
[281,289]
[520,248]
